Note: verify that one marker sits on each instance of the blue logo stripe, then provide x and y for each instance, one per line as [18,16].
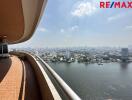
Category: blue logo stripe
[112,4]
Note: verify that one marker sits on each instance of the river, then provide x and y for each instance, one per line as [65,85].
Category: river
[97,82]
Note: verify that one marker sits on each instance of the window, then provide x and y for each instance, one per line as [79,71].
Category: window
[0,49]
[5,49]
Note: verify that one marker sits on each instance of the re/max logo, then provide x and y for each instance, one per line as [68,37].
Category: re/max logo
[115,4]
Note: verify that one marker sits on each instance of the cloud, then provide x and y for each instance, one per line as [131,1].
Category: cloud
[128,27]
[115,17]
[42,29]
[83,8]
[62,30]
[69,30]
[118,16]
[74,28]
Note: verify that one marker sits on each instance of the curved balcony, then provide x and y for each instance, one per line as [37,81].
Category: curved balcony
[28,77]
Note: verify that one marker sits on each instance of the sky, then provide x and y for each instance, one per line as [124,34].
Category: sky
[74,23]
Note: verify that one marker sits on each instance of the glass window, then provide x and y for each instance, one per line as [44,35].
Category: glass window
[5,48]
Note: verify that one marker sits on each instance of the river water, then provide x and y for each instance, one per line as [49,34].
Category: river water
[97,82]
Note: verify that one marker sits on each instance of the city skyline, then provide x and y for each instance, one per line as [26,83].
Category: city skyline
[81,23]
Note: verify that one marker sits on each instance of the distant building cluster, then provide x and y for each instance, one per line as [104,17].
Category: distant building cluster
[83,55]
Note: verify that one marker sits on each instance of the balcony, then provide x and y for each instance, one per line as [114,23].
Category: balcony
[26,76]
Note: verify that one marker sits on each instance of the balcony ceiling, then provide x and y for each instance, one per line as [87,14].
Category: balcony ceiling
[19,18]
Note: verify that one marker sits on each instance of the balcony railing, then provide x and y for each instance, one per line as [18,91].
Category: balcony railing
[66,89]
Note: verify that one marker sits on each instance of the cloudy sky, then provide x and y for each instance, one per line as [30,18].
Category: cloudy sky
[69,23]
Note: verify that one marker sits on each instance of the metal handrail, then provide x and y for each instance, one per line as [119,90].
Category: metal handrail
[69,92]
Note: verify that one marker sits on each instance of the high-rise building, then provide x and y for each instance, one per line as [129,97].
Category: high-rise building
[124,54]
